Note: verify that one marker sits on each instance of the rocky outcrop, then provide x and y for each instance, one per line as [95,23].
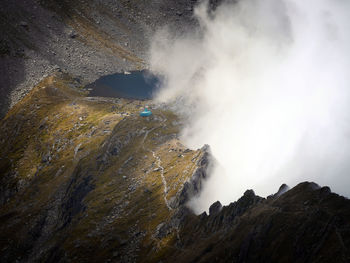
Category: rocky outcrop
[305,224]
[115,143]
[215,208]
[283,188]
[193,186]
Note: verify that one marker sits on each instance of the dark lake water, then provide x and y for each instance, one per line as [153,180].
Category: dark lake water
[141,85]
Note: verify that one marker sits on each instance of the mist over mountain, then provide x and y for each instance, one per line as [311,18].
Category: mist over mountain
[237,152]
[266,85]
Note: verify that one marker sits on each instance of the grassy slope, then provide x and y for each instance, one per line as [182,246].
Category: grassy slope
[58,160]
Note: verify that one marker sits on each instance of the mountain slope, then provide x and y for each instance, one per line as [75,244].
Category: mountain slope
[306,224]
[87,179]
[86,38]
[80,172]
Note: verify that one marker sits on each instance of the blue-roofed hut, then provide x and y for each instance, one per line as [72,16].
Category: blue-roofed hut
[145,113]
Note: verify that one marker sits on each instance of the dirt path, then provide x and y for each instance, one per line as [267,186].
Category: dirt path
[159,164]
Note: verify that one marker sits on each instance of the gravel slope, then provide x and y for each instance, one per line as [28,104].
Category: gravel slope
[88,39]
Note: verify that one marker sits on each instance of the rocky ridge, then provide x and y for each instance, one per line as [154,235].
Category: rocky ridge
[87,179]
[306,224]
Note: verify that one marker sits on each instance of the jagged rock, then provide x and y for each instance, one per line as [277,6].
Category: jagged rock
[247,200]
[283,188]
[215,208]
[254,229]
[193,186]
[325,190]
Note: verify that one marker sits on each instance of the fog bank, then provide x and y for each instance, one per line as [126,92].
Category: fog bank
[267,85]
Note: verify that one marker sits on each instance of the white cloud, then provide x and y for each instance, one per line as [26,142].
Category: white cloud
[267,85]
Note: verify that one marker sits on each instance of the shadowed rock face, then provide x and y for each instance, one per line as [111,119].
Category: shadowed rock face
[305,224]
